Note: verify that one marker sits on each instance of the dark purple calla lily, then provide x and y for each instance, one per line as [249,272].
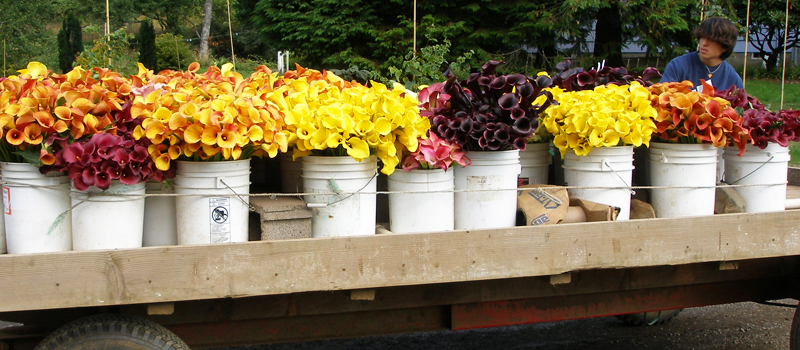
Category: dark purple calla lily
[487,111]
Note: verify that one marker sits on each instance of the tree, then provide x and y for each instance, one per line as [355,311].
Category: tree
[70,42]
[65,59]
[767,28]
[147,46]
[608,35]
[206,29]
[338,33]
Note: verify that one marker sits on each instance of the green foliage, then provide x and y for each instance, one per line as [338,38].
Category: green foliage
[110,52]
[792,73]
[147,45]
[427,67]
[70,42]
[75,34]
[794,152]
[24,35]
[65,58]
[362,76]
[172,52]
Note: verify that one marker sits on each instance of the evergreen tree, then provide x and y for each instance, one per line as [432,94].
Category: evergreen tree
[147,47]
[64,57]
[70,42]
[75,35]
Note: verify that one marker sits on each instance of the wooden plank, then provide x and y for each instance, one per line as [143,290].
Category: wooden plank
[167,274]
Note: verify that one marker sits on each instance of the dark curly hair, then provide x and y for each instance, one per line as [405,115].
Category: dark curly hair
[719,30]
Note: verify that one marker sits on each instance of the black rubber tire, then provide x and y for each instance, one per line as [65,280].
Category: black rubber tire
[794,334]
[652,318]
[109,331]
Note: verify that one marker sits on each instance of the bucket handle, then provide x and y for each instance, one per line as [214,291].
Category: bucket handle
[605,164]
[664,157]
[335,188]
[771,156]
[249,207]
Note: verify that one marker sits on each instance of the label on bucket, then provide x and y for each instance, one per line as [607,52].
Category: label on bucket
[219,210]
[7,200]
[480,184]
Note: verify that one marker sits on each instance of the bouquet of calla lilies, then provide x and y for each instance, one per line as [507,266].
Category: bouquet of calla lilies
[433,153]
[688,116]
[213,116]
[326,116]
[606,116]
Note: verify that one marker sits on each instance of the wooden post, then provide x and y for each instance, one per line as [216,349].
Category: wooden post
[108,32]
[785,37]
[415,26]
[177,52]
[230,32]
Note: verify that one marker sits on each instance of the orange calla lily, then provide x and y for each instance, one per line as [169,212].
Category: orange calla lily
[15,137]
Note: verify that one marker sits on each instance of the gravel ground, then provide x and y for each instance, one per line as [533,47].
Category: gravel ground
[731,327]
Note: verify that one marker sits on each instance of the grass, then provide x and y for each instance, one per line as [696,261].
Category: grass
[769,93]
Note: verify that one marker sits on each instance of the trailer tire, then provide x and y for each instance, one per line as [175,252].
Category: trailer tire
[794,334]
[652,318]
[119,332]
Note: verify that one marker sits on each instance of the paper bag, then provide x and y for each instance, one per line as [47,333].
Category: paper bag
[541,205]
[595,211]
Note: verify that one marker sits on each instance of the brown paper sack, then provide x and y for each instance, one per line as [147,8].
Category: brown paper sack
[595,211]
[541,205]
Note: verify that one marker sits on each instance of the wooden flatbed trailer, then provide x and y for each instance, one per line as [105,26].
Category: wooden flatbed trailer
[304,289]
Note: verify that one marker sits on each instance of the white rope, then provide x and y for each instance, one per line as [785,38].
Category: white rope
[340,193]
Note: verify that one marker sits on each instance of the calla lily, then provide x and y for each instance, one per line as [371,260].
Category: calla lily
[688,116]
[608,116]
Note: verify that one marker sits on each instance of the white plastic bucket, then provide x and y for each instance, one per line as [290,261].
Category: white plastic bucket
[160,228]
[721,164]
[207,208]
[291,181]
[2,235]
[429,209]
[767,168]
[36,210]
[610,167]
[683,165]
[102,220]
[348,214]
[489,190]
[535,161]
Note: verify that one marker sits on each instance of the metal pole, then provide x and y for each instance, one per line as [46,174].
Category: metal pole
[108,32]
[230,32]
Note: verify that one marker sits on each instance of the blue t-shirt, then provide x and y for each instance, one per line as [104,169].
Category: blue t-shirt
[689,67]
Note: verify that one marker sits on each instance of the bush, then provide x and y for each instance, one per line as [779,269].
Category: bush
[427,68]
[172,52]
[792,73]
[111,52]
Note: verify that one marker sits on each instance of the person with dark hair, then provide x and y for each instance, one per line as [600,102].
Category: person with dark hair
[716,39]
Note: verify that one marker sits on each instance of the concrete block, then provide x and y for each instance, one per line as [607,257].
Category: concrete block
[641,210]
[728,201]
[282,217]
